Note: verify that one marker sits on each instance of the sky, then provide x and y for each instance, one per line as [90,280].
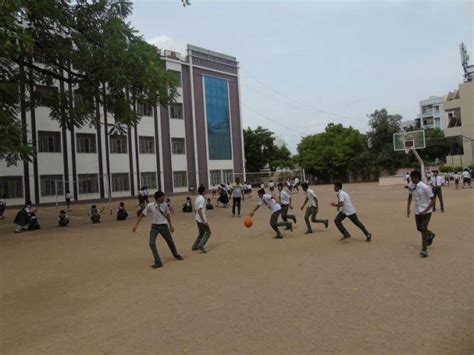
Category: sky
[304,64]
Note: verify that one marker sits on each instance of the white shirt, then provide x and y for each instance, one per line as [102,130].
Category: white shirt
[200,203]
[68,195]
[347,207]
[237,190]
[456,176]
[423,195]
[271,184]
[297,181]
[158,211]
[270,202]
[262,186]
[466,174]
[284,197]
[311,196]
[437,181]
[2,202]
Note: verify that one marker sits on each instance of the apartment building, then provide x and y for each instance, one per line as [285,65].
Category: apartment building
[431,113]
[459,115]
[196,140]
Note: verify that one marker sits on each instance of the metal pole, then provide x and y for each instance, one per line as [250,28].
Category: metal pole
[422,164]
[56,190]
[110,194]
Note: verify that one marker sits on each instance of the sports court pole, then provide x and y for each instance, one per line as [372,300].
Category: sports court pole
[56,190]
[422,164]
[110,193]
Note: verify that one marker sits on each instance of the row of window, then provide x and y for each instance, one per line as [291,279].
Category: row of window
[50,142]
[52,185]
[218,177]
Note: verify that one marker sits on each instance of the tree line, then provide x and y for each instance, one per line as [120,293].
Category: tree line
[344,153]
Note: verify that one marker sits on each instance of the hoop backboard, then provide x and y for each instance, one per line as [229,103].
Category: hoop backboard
[409,140]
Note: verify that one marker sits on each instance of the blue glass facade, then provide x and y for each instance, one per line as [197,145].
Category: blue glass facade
[218,119]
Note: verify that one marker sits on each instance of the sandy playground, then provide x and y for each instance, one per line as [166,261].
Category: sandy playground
[89,289]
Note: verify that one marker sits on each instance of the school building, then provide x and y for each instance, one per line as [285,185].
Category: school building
[196,140]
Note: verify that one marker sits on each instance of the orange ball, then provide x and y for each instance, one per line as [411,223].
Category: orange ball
[248,222]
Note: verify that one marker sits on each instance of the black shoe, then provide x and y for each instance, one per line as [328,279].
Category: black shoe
[424,253]
[368,238]
[326,223]
[294,219]
[430,239]
[434,209]
[308,232]
[344,237]
[278,237]
[442,210]
[178,257]
[291,227]
[194,248]
[157,265]
[203,250]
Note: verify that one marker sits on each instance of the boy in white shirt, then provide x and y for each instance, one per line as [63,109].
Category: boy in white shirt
[424,200]
[275,208]
[3,206]
[347,210]
[237,193]
[312,209]
[436,184]
[204,230]
[466,178]
[284,200]
[161,224]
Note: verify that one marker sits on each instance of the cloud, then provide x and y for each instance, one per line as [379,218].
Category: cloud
[165,42]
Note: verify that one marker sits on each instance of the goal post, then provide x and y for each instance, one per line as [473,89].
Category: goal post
[411,141]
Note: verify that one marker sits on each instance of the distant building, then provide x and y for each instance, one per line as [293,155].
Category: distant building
[409,125]
[279,142]
[431,113]
[459,116]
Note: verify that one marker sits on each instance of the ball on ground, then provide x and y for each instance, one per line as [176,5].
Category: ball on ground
[248,222]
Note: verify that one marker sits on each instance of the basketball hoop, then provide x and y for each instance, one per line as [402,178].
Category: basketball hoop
[408,145]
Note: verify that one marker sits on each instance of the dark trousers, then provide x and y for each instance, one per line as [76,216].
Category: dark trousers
[422,222]
[203,236]
[275,224]
[284,213]
[236,202]
[438,194]
[164,230]
[354,219]
[311,211]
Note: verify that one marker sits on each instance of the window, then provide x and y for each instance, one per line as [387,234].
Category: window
[120,182]
[49,142]
[149,180]
[456,147]
[228,175]
[218,119]
[11,186]
[45,94]
[88,183]
[179,179]
[454,118]
[118,144]
[178,146]
[49,183]
[177,75]
[40,57]
[147,145]
[144,110]
[176,111]
[215,177]
[86,143]
[78,99]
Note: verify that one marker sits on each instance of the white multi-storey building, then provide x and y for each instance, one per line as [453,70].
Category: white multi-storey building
[197,140]
[431,113]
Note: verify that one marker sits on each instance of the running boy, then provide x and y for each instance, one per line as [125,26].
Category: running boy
[436,184]
[285,202]
[312,209]
[424,200]
[204,232]
[161,224]
[344,202]
[237,196]
[270,202]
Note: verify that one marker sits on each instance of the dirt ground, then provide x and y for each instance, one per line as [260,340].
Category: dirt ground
[89,289]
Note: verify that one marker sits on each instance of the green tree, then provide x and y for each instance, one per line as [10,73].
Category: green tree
[282,158]
[260,149]
[383,126]
[437,145]
[339,153]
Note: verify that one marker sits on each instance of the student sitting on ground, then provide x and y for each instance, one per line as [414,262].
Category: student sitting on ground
[63,220]
[22,218]
[33,223]
[95,214]
[168,203]
[223,196]
[121,212]
[209,205]
[188,206]
[3,206]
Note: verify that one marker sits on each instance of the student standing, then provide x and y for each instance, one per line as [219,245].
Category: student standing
[3,206]
[424,200]
[284,200]
[275,208]
[312,209]
[456,180]
[68,200]
[466,178]
[237,196]
[204,231]
[161,224]
[436,184]
[347,210]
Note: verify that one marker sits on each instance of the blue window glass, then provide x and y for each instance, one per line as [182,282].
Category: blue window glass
[218,120]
